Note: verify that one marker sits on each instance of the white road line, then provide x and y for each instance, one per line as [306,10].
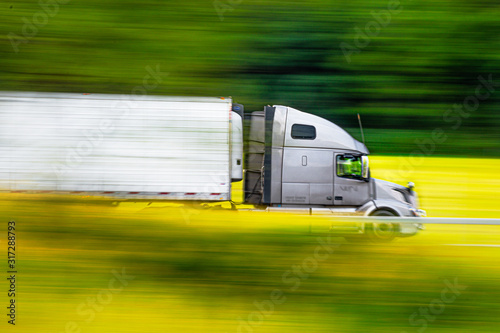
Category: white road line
[480,245]
[421,220]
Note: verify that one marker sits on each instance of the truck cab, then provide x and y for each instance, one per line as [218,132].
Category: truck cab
[296,159]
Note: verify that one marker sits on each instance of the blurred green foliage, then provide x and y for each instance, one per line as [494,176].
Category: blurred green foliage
[425,57]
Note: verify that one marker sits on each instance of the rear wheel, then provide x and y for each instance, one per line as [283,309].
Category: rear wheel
[382,231]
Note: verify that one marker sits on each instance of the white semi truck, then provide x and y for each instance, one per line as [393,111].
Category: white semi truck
[191,149]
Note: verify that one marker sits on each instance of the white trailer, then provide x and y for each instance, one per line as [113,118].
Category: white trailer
[152,147]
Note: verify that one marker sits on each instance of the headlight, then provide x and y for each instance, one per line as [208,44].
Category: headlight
[418,212]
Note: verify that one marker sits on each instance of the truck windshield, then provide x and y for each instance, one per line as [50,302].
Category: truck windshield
[349,166]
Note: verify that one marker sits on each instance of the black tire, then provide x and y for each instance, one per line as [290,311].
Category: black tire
[382,231]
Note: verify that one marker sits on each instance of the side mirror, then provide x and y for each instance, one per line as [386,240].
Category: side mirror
[365,167]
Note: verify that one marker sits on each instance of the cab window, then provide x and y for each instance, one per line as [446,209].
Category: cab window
[303,132]
[349,166]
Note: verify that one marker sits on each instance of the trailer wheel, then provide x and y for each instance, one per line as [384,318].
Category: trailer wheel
[382,231]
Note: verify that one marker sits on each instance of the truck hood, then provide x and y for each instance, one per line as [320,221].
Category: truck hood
[392,191]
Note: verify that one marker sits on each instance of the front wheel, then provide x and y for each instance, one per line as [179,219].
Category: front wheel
[382,231]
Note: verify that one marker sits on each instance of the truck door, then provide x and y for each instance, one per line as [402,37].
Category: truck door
[349,187]
[307,176]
